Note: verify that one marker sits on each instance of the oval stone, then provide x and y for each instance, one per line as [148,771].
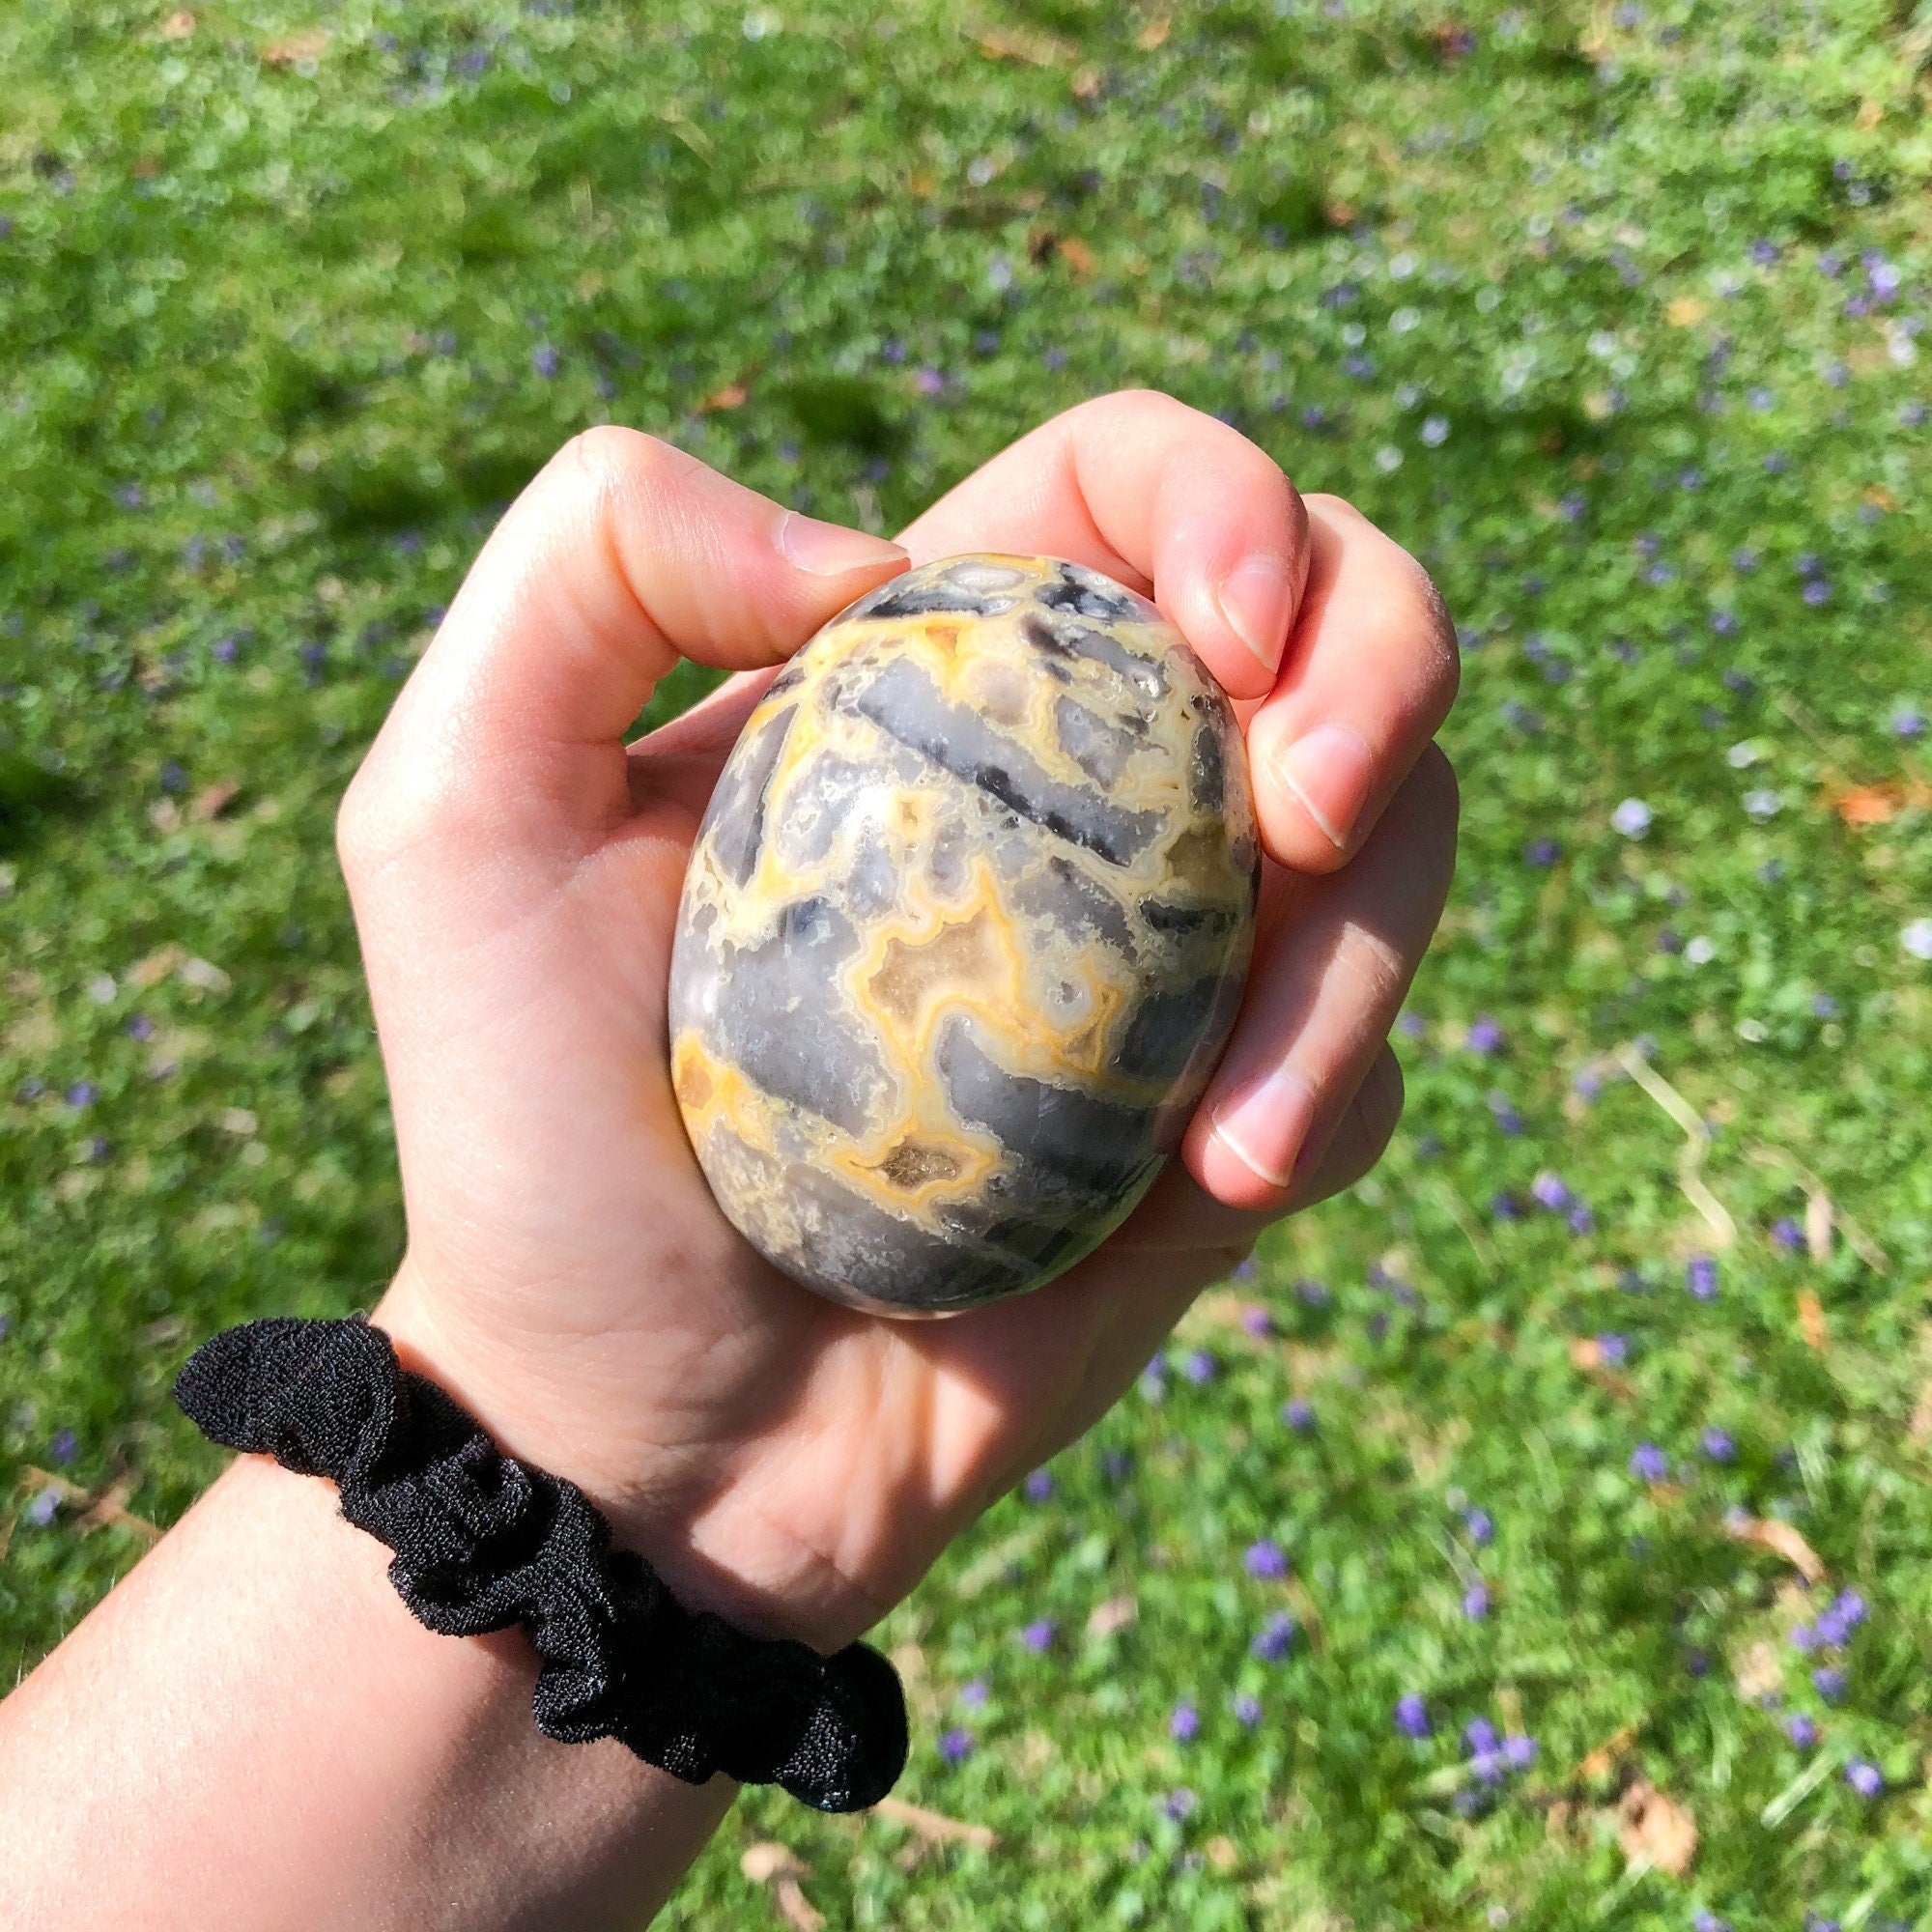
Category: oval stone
[963,934]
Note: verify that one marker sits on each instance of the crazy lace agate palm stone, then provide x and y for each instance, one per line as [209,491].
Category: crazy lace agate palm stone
[963,934]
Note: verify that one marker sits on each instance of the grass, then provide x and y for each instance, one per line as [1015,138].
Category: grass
[1611,316]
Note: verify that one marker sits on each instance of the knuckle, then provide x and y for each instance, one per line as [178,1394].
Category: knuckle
[1373,961]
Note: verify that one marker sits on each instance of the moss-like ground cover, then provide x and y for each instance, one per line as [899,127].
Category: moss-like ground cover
[1611,314]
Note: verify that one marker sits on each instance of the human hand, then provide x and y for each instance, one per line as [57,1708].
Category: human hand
[516,869]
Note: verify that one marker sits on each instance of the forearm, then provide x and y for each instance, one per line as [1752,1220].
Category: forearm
[252,1732]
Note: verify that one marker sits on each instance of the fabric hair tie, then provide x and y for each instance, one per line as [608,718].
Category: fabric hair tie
[483,1541]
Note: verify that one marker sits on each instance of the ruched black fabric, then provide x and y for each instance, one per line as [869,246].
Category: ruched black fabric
[483,1542]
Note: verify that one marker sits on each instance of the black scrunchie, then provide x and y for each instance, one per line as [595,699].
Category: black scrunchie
[483,1541]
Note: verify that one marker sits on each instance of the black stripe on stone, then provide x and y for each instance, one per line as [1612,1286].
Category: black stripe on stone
[905,704]
[736,816]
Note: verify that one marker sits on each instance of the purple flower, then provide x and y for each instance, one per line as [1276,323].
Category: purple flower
[1411,1716]
[1830,1682]
[1198,1366]
[1708,1921]
[1247,1711]
[82,1093]
[1864,1778]
[1548,1192]
[1179,1803]
[1476,1602]
[1520,1749]
[1907,722]
[1038,1635]
[61,1448]
[1267,1559]
[1787,1234]
[1842,1617]
[1258,1322]
[1480,1735]
[1484,1035]
[1115,1465]
[1274,1640]
[1186,1724]
[1038,1486]
[1504,1111]
[1481,1526]
[955,1743]
[1298,1415]
[1313,1293]
[41,1511]
[1410,1024]
[1649,1461]
[1543,851]
[1817,592]
[1487,1767]
[1582,1219]
[1153,1379]
[1702,1278]
[973,1695]
[1245,1270]
[1718,1445]
[545,360]
[929,382]
[1612,1348]
[1801,1730]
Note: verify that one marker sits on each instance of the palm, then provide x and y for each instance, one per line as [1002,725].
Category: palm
[563,1242]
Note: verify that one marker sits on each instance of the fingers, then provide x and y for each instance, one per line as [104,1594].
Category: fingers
[623,555]
[1369,678]
[1333,960]
[1153,492]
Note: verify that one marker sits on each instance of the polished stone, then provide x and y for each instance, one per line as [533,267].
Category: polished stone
[963,934]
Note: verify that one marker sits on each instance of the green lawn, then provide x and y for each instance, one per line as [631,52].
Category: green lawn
[1610,314]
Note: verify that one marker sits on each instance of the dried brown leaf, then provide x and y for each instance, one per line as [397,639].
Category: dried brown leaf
[216,800]
[291,50]
[730,397]
[1076,254]
[1115,1614]
[1686,312]
[1781,1540]
[178,26]
[1811,1321]
[1657,1830]
[1758,1668]
[1598,1762]
[934,1826]
[1154,34]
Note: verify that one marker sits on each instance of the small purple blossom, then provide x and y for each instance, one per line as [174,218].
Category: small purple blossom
[1476,1602]
[61,1449]
[1718,1445]
[1612,1348]
[1787,1234]
[1298,1415]
[1700,1276]
[1313,1293]
[1038,1486]
[1258,1321]
[1247,1711]
[1830,1681]
[1411,1716]
[1649,1463]
[973,1695]
[41,1511]
[82,1093]
[1198,1365]
[1548,1192]
[1274,1640]
[955,1743]
[1520,1749]
[1543,852]
[545,360]
[1582,1218]
[1864,1778]
[1484,1035]
[1265,1559]
[1708,1921]
[1480,1735]
[1038,1635]
[1179,1803]
[1801,1730]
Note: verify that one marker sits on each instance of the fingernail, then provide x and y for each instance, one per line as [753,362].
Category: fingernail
[831,550]
[1265,1127]
[1255,598]
[1331,771]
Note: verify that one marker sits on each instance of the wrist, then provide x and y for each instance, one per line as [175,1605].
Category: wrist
[682,1504]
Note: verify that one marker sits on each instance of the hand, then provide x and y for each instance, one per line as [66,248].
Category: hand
[515,869]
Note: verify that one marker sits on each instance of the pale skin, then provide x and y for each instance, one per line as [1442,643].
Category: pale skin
[251,1731]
